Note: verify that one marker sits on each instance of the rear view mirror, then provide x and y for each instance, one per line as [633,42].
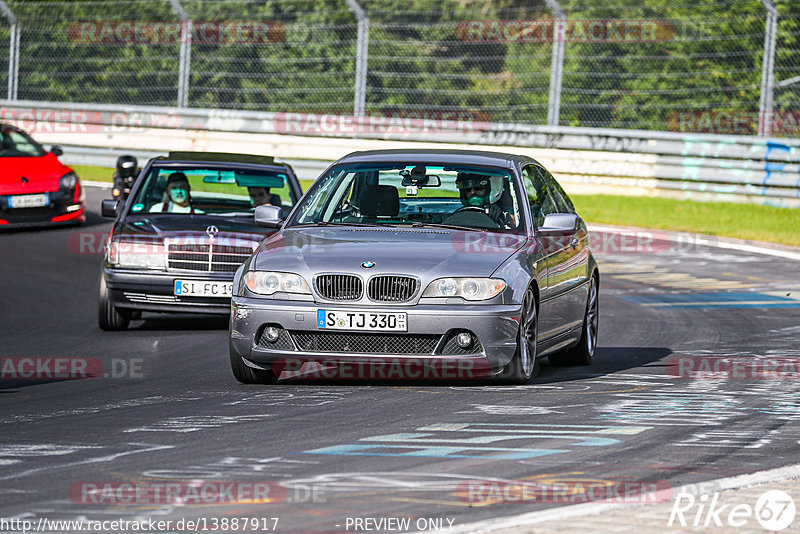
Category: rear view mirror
[268,216]
[429,180]
[559,223]
[56,151]
[220,178]
[109,207]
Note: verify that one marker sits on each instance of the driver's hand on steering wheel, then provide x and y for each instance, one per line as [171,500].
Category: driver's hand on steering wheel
[498,215]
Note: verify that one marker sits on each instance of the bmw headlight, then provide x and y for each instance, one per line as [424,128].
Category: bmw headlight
[268,282]
[466,288]
[68,181]
[137,255]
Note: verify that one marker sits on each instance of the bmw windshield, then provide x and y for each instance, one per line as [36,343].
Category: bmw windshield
[472,198]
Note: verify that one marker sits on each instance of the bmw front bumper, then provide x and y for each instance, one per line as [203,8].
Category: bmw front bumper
[493,328]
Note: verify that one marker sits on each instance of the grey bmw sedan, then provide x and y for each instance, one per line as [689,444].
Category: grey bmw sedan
[418,264]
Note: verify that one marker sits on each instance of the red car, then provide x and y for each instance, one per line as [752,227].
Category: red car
[35,188]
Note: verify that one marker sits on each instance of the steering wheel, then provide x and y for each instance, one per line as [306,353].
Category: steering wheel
[471,216]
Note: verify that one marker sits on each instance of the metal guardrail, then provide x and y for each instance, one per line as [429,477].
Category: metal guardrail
[702,166]
[107,157]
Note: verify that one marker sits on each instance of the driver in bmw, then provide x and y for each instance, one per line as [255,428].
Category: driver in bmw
[486,193]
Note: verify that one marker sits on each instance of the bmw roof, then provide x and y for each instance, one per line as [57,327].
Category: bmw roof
[474,157]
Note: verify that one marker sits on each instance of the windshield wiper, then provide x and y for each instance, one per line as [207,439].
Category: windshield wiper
[418,224]
[335,223]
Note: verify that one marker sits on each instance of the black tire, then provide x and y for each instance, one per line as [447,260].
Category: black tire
[524,366]
[248,375]
[583,352]
[109,317]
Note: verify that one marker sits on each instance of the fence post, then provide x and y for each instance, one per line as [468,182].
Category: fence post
[362,53]
[767,70]
[557,62]
[185,59]
[13,51]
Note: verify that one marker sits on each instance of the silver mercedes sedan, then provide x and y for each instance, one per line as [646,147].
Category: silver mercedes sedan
[418,264]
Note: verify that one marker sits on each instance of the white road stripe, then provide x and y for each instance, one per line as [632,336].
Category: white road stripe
[725,303]
[706,241]
[578,510]
[101,185]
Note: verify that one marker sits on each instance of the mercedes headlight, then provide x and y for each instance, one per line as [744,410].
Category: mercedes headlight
[137,255]
[466,288]
[267,282]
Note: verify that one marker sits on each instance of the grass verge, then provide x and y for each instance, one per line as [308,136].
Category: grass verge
[729,219]
[93,174]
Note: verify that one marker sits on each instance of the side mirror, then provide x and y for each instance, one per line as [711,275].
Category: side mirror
[559,223]
[109,207]
[268,216]
[56,151]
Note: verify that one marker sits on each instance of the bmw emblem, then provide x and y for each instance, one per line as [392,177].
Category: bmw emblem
[368,264]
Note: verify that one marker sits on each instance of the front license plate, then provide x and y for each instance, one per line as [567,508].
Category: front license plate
[356,320]
[29,201]
[203,288]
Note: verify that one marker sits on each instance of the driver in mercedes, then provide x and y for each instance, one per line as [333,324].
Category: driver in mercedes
[179,198]
[484,192]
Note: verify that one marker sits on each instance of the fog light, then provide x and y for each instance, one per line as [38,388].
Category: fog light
[272,334]
[464,340]
[73,207]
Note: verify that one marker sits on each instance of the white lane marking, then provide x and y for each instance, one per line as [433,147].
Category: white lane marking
[195,423]
[504,409]
[42,449]
[272,398]
[107,458]
[131,403]
[232,466]
[733,439]
[726,303]
[101,185]
[578,510]
[383,480]
[706,241]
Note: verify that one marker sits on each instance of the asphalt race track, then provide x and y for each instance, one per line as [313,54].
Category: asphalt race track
[166,407]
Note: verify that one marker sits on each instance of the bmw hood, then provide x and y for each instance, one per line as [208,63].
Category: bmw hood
[427,253]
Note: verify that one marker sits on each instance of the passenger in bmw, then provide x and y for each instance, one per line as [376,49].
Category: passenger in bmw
[179,196]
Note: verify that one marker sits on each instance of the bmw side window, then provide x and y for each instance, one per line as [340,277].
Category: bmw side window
[562,200]
[539,197]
